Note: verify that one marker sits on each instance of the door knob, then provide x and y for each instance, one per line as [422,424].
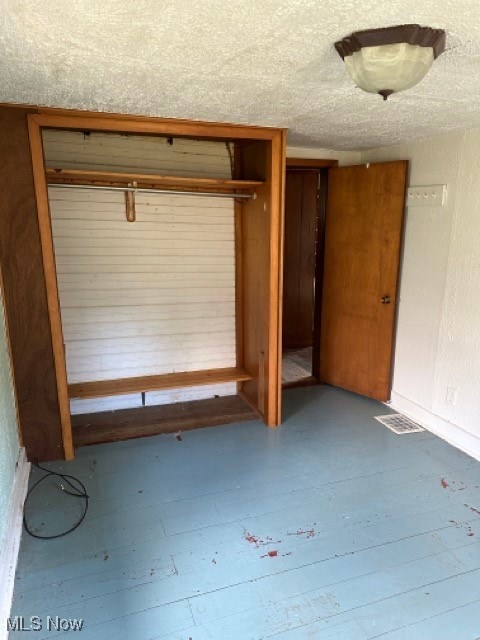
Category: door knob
[386,300]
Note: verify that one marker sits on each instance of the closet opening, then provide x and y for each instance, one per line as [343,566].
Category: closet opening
[162,254]
[305,202]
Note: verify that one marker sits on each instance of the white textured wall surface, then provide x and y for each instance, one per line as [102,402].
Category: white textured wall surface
[150,297]
[268,62]
[343,157]
[9,444]
[438,337]
[459,352]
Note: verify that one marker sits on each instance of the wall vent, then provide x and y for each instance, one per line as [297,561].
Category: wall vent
[399,423]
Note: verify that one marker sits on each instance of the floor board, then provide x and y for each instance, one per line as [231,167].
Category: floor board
[330,526]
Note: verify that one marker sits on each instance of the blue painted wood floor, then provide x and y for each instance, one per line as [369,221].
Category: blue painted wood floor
[330,527]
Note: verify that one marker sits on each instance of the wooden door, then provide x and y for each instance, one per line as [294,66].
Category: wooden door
[363,235]
[299,258]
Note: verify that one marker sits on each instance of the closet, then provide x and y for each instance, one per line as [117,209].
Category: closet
[161,245]
[150,296]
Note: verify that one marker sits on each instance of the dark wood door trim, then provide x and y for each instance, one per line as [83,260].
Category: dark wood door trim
[319,269]
[322,166]
[50,274]
[300,258]
[25,295]
[310,163]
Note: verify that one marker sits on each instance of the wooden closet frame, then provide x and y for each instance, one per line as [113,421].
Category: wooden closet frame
[251,145]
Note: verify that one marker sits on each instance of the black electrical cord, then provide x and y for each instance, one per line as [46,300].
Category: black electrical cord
[78,492]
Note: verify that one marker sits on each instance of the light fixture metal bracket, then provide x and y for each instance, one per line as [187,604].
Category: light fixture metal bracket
[410,33]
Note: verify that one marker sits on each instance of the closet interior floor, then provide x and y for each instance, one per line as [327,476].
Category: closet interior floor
[123,424]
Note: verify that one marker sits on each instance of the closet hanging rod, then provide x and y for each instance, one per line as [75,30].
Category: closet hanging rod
[175,192]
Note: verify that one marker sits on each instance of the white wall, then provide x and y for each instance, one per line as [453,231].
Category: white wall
[438,335]
[343,157]
[10,446]
[153,296]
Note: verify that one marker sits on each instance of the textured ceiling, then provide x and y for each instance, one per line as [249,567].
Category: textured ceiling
[265,62]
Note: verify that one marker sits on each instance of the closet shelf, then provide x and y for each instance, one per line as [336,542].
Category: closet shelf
[121,386]
[149,181]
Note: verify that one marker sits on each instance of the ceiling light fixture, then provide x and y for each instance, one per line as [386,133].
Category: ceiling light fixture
[391,59]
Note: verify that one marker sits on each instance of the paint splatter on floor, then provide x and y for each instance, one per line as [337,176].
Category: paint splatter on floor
[474,509]
[308,533]
[461,525]
[259,542]
[273,553]
[453,485]
[270,554]
[251,538]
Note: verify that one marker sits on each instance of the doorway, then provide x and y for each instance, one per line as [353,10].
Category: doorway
[341,270]
[305,193]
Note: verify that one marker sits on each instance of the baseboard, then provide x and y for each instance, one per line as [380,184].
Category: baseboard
[452,433]
[9,552]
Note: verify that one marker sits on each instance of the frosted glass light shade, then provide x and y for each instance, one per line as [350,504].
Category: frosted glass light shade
[389,68]
[391,59]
